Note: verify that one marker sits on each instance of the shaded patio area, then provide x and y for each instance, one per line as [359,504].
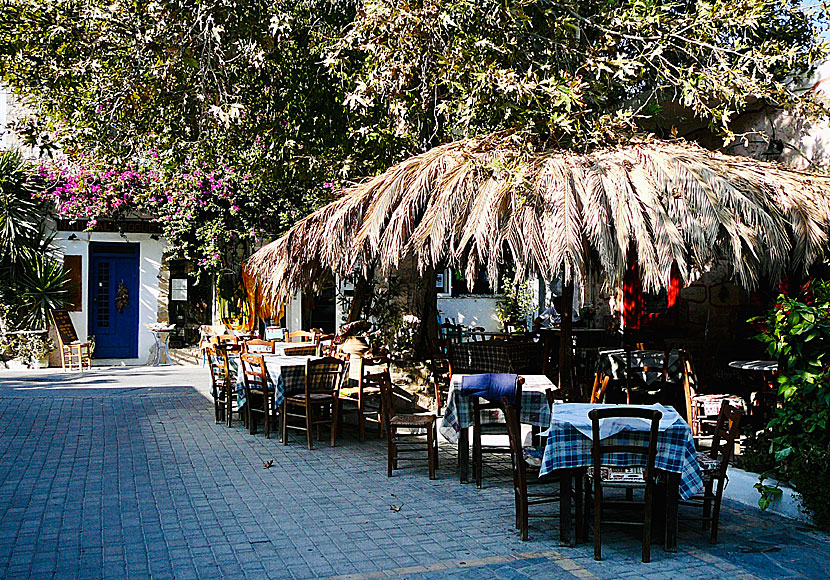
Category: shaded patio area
[109,477]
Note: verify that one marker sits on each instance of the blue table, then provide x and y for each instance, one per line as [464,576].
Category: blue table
[568,449]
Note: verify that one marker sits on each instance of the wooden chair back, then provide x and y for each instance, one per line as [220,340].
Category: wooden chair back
[325,345]
[600,448]
[600,386]
[308,350]
[726,433]
[689,392]
[257,345]
[254,373]
[301,336]
[323,375]
[219,367]
[387,406]
[225,339]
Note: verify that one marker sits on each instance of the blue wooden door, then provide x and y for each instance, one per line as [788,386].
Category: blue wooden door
[113,312]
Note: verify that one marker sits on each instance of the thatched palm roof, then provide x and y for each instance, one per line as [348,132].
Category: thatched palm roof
[464,203]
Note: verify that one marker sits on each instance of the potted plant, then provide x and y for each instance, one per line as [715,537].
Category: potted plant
[353,337]
[39,348]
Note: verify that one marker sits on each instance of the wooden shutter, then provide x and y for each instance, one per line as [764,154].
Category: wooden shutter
[74,286]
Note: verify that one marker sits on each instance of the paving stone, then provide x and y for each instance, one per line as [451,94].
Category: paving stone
[134,479]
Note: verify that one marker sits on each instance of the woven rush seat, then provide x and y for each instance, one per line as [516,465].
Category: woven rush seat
[412,420]
[708,465]
[533,456]
[612,475]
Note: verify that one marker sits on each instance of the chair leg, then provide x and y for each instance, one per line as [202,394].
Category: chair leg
[284,409]
[647,523]
[578,507]
[435,442]
[523,519]
[251,422]
[707,504]
[391,453]
[335,420]
[597,519]
[266,405]
[431,453]
[308,427]
[586,522]
[713,537]
[477,453]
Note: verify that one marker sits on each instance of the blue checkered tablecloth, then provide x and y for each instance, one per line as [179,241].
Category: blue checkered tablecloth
[286,374]
[568,446]
[458,414]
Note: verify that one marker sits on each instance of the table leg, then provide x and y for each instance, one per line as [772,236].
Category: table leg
[672,496]
[463,454]
[566,537]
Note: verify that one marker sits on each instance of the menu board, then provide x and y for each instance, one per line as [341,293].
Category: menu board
[64,326]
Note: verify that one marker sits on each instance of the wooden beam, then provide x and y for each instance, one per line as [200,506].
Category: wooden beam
[566,343]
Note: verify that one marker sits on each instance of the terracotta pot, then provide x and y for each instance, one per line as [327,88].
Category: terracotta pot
[355,345]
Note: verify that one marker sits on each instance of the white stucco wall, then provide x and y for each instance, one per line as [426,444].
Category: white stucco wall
[471,311]
[149,263]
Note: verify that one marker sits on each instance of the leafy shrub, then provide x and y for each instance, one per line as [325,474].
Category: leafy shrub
[515,304]
[797,334]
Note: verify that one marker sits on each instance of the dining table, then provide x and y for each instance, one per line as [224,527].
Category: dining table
[458,414]
[286,375]
[568,452]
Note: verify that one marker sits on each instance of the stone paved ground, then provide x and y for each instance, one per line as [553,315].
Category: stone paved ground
[123,474]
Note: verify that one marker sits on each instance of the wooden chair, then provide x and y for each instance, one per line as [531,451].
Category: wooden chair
[259,397]
[301,336]
[480,428]
[622,477]
[318,403]
[325,345]
[310,350]
[206,332]
[526,462]
[713,466]
[75,355]
[226,339]
[694,402]
[637,390]
[599,388]
[222,384]
[392,422]
[440,367]
[258,346]
[363,385]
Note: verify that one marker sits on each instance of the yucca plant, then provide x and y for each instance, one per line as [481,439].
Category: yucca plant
[21,215]
[43,288]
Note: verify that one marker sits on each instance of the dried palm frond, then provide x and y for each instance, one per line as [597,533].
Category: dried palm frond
[464,203]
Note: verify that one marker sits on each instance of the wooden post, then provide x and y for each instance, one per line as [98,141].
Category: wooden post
[566,342]
[362,290]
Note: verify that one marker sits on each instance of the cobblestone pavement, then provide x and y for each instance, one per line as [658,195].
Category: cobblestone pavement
[123,474]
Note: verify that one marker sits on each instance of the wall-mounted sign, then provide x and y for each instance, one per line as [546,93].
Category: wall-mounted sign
[178,289]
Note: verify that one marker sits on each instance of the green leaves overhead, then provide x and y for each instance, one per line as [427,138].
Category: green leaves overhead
[570,71]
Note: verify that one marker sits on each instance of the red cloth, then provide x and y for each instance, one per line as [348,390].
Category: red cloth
[633,300]
[674,284]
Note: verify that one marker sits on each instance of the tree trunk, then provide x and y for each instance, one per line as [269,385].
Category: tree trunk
[426,302]
[566,343]
[362,292]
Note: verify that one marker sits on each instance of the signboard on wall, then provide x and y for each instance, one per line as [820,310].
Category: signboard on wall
[178,289]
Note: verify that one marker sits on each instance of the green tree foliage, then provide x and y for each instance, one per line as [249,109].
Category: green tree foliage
[222,109]
[32,280]
[575,72]
[797,334]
